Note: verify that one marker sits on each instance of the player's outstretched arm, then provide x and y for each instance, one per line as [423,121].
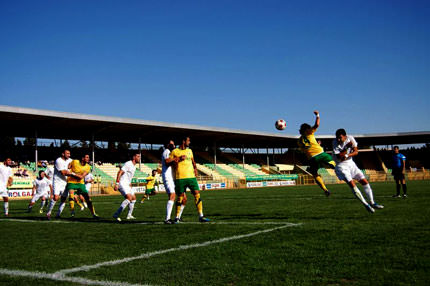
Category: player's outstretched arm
[317,119]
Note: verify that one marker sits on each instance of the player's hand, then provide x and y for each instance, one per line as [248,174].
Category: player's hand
[183,157]
[316,112]
[116,188]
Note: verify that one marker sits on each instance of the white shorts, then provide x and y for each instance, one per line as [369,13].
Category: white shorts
[59,187]
[37,196]
[169,186]
[3,192]
[348,172]
[125,190]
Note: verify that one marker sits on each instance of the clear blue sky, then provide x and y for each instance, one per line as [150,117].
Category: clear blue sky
[236,64]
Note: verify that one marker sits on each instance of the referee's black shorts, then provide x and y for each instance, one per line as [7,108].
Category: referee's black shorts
[398,174]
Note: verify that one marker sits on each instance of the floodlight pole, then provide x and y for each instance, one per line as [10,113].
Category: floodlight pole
[35,151]
[243,157]
[92,151]
[215,155]
[140,153]
[267,157]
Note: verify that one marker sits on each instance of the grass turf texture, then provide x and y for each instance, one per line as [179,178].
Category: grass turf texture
[338,243]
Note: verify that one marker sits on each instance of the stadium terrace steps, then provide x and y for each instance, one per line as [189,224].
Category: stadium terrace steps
[104,178]
[243,171]
[230,170]
[256,170]
[145,169]
[208,171]
[223,172]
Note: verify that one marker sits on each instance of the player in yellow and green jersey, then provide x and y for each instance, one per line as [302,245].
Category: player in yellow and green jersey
[185,177]
[150,186]
[75,183]
[314,152]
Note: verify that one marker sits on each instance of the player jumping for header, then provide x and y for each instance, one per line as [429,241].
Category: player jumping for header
[314,152]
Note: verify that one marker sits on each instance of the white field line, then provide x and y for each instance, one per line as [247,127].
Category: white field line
[146,223]
[159,252]
[36,221]
[78,280]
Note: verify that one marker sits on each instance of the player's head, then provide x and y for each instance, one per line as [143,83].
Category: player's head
[304,128]
[8,162]
[396,149]
[136,157]
[65,154]
[85,158]
[42,174]
[186,141]
[341,135]
[170,145]
[154,172]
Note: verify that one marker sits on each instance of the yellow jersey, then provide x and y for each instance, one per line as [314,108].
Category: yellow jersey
[77,168]
[309,145]
[185,168]
[150,182]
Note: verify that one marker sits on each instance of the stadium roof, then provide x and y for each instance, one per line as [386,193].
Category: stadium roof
[26,122]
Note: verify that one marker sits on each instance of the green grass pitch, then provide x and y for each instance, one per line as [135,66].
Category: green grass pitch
[335,242]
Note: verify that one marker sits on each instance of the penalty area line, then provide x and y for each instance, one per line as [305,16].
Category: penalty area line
[62,278]
[179,248]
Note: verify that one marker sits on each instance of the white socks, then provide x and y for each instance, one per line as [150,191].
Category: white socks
[61,208]
[42,204]
[169,209]
[124,204]
[6,208]
[368,190]
[131,208]
[51,206]
[358,195]
[182,209]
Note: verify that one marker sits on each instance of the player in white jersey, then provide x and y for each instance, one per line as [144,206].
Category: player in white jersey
[6,181]
[89,180]
[49,173]
[61,171]
[168,180]
[41,187]
[123,184]
[344,148]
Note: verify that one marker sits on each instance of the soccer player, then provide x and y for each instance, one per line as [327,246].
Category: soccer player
[41,187]
[398,171]
[75,183]
[150,186]
[89,180]
[49,174]
[344,148]
[169,184]
[314,152]
[123,184]
[186,172]
[6,180]
[61,171]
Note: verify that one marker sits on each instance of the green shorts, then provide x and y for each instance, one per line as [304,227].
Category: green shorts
[79,188]
[319,161]
[148,191]
[181,185]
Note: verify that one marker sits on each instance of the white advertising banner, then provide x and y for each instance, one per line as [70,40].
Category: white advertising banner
[269,184]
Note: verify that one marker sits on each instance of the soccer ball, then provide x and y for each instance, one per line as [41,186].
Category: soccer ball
[280,124]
